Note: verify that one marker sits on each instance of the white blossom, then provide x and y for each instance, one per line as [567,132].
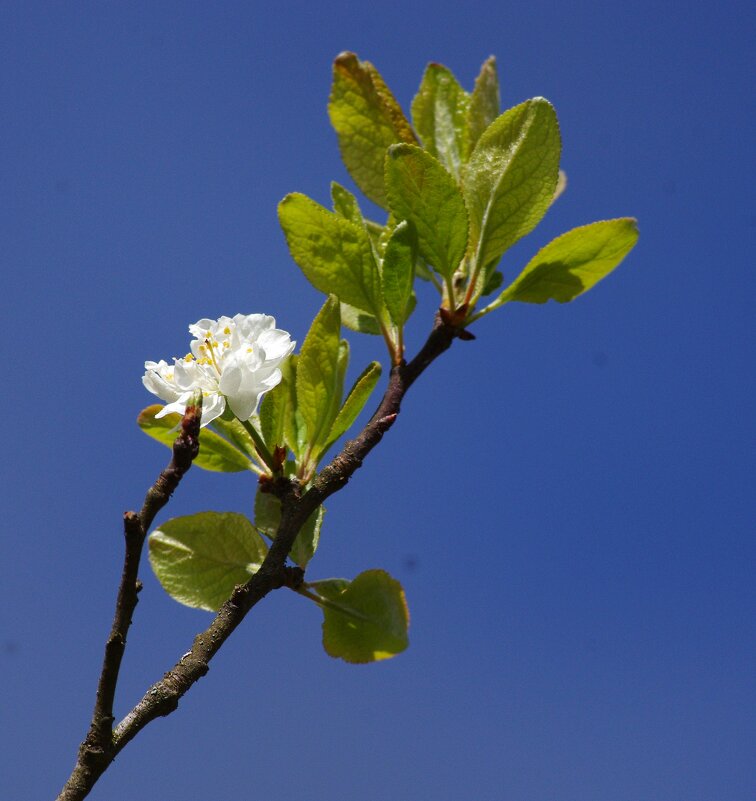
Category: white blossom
[233,360]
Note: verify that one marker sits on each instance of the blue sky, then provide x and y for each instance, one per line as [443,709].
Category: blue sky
[566,500]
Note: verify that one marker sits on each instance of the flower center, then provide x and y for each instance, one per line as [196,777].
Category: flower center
[212,351]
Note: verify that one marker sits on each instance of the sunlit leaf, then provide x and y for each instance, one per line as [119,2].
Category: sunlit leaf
[334,254]
[345,204]
[573,262]
[360,321]
[422,191]
[398,272]
[367,120]
[511,176]
[319,373]
[355,402]
[200,558]
[368,618]
[215,453]
[484,107]
[439,114]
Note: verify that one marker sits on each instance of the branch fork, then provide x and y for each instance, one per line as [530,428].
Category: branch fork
[103,742]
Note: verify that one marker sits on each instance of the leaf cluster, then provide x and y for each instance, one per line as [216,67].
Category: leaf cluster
[460,183]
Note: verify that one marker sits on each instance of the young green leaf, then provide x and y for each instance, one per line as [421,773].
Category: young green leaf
[493,282]
[573,262]
[398,273]
[379,234]
[359,321]
[294,429]
[334,254]
[318,373]
[421,191]
[439,114]
[215,453]
[268,518]
[355,402]
[345,204]
[484,103]
[511,176]
[367,120]
[200,558]
[365,621]
[273,412]
[231,429]
[336,401]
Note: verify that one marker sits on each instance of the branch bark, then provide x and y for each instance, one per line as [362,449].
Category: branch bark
[103,743]
[95,753]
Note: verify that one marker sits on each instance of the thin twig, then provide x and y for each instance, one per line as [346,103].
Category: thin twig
[95,753]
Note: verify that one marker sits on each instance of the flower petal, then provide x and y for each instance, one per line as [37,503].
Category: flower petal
[235,360]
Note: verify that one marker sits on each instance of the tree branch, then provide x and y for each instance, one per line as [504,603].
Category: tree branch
[163,697]
[95,753]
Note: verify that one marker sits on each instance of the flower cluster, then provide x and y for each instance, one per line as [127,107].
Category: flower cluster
[233,360]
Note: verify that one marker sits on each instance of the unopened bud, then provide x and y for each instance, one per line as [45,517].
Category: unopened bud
[279,457]
[193,412]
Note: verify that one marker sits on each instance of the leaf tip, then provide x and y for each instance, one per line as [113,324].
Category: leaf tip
[344,57]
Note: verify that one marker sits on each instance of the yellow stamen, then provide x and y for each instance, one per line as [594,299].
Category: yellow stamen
[212,355]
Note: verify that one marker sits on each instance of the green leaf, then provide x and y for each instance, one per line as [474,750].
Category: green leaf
[308,538]
[372,621]
[345,204]
[398,273]
[422,191]
[510,179]
[214,454]
[439,114]
[295,432]
[360,321]
[355,402]
[484,103]
[200,558]
[423,271]
[273,411]
[493,282]
[231,429]
[335,255]
[379,234]
[268,518]
[573,262]
[318,373]
[341,368]
[367,120]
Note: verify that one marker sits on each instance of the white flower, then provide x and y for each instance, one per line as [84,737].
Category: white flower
[233,360]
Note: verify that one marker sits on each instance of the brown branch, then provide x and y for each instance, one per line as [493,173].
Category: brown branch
[163,697]
[96,752]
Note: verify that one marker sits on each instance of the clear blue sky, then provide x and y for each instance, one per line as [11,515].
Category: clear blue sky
[568,500]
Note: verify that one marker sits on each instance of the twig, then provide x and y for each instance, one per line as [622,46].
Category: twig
[96,752]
